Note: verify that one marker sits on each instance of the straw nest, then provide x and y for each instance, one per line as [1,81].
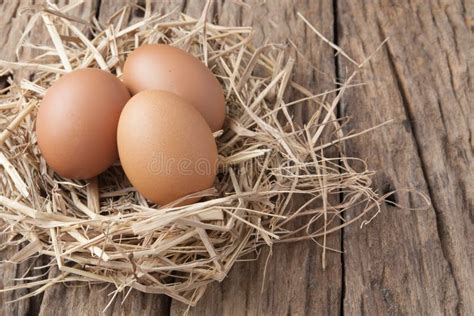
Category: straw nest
[102,230]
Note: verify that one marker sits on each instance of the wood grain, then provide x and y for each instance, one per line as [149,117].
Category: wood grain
[404,262]
[295,282]
[240,293]
[422,262]
[10,26]
[12,22]
[93,300]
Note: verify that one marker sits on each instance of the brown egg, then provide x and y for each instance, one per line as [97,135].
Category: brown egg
[77,122]
[166,147]
[163,67]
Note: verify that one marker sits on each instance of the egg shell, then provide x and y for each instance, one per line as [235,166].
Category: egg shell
[77,120]
[166,148]
[163,67]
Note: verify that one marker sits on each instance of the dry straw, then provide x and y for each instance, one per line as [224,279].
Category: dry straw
[279,180]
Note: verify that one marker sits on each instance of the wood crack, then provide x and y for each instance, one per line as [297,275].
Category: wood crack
[339,112]
[442,115]
[184,6]
[97,9]
[15,9]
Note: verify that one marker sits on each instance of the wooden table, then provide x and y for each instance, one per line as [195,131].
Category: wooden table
[404,262]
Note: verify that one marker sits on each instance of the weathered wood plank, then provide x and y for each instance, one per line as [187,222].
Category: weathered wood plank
[59,300]
[293,268]
[412,262]
[93,300]
[12,23]
[295,282]
[10,26]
